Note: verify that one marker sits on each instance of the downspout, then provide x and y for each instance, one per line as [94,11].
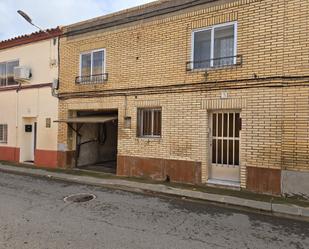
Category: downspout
[16,124]
[55,91]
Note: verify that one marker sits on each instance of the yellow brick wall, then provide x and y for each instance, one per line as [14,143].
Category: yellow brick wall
[270,138]
[272,38]
[296,45]
[163,46]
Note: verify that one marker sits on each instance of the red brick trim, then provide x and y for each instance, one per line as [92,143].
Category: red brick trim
[159,168]
[23,87]
[46,158]
[34,37]
[10,154]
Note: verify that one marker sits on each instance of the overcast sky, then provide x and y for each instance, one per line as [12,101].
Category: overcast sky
[52,13]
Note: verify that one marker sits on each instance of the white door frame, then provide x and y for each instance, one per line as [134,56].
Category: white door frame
[33,139]
[27,151]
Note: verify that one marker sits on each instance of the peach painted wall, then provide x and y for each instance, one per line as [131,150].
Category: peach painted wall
[29,105]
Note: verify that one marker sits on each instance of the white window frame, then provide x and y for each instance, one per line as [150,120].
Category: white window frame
[141,127]
[4,139]
[212,28]
[6,76]
[91,52]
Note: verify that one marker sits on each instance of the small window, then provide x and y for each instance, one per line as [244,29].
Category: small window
[3,133]
[7,73]
[215,46]
[92,67]
[48,122]
[149,122]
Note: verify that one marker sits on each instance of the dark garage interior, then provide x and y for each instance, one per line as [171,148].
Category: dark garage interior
[96,143]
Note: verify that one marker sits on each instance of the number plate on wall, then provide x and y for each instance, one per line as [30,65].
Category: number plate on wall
[28,128]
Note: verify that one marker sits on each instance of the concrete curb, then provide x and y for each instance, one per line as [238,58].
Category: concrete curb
[292,211]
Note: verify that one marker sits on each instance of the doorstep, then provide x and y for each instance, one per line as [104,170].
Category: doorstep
[223,184]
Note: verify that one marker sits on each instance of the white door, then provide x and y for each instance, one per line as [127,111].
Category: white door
[29,140]
[225,129]
[33,142]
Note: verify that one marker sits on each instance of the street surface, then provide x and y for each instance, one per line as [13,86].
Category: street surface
[33,215]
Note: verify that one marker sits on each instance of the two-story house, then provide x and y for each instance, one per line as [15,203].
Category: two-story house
[204,92]
[28,68]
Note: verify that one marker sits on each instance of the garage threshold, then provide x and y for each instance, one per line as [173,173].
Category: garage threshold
[109,167]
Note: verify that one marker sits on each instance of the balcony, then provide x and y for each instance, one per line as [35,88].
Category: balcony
[91,79]
[215,63]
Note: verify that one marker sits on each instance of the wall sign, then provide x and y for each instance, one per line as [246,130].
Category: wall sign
[48,122]
[28,128]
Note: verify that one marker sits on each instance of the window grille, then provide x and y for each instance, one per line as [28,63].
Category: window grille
[149,122]
[225,130]
[3,133]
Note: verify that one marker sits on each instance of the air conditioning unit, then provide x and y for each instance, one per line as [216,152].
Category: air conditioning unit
[22,74]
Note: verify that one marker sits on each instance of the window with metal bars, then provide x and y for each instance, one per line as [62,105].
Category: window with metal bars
[226,128]
[92,67]
[3,133]
[215,46]
[149,122]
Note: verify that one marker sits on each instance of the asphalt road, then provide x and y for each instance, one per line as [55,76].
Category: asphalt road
[34,215]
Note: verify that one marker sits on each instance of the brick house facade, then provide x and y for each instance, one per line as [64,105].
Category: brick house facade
[258,86]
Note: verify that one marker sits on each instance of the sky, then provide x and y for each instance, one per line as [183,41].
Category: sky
[53,13]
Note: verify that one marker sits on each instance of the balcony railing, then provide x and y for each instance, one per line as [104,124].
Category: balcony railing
[215,63]
[91,79]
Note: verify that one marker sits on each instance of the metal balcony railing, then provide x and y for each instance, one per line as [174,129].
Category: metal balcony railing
[215,63]
[91,79]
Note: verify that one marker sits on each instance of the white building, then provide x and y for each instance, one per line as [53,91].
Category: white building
[28,69]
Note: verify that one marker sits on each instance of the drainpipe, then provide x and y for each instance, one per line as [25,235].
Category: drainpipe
[125,105]
[16,121]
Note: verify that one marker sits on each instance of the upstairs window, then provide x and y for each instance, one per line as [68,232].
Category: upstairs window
[7,73]
[215,46]
[149,122]
[92,67]
[3,133]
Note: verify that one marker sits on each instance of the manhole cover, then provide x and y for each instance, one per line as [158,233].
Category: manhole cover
[79,198]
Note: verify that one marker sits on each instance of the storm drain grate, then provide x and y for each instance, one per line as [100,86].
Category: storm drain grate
[78,198]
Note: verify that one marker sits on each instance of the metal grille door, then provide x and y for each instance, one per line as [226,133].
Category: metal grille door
[225,145]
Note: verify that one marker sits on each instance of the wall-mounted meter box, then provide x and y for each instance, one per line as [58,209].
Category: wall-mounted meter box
[28,128]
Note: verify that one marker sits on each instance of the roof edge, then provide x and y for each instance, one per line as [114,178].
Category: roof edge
[116,13]
[142,12]
[29,38]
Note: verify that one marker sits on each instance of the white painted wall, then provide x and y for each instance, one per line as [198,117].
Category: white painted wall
[38,56]
[31,105]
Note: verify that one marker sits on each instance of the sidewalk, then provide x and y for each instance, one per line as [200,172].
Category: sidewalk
[271,205]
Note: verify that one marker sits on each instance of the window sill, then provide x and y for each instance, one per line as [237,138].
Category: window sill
[89,83]
[92,79]
[208,69]
[214,64]
[149,139]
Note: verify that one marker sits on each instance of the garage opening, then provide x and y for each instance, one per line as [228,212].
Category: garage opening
[96,140]
[96,143]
